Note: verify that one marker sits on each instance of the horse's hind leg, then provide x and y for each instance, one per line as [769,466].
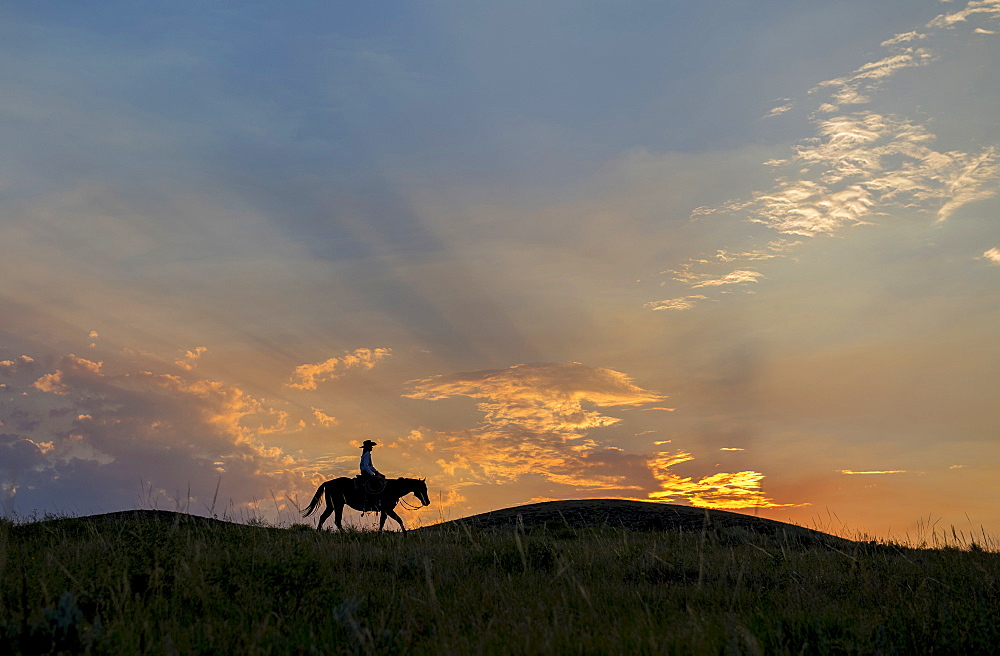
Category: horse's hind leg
[323,517]
[340,513]
[327,511]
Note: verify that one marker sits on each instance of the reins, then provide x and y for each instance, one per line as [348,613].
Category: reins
[406,504]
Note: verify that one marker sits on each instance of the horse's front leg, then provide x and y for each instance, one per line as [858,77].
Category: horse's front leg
[381,521]
[399,520]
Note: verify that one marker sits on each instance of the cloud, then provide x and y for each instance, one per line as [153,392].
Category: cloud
[11,367]
[723,490]
[992,255]
[974,8]
[682,303]
[903,38]
[190,358]
[540,397]
[323,418]
[536,423]
[735,278]
[864,163]
[871,472]
[53,382]
[697,280]
[858,164]
[79,439]
[308,376]
[777,111]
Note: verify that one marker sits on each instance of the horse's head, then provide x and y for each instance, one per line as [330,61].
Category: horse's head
[420,491]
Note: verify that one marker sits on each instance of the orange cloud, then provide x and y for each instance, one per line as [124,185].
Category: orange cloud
[682,303]
[308,376]
[872,472]
[723,490]
[540,397]
[535,424]
[10,367]
[323,418]
[190,358]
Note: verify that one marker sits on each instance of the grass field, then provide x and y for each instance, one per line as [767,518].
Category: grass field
[157,582]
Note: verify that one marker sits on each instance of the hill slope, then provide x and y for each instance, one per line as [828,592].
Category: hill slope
[569,514]
[638,516]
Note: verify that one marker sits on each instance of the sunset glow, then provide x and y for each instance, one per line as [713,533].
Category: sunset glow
[729,255]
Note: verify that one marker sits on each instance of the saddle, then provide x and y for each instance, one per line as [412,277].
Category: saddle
[370,484]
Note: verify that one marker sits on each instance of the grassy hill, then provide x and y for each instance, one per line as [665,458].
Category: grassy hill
[642,516]
[562,577]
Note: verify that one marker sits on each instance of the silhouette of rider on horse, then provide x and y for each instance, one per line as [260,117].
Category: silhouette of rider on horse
[370,479]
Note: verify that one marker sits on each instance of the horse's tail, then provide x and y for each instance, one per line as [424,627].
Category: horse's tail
[315,501]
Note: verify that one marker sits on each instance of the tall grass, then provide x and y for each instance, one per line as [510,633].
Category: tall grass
[154,586]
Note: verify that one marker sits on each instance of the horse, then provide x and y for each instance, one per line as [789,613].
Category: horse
[342,491]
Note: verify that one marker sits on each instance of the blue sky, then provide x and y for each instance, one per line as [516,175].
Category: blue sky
[712,253]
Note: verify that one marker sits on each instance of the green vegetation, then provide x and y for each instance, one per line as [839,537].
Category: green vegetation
[165,583]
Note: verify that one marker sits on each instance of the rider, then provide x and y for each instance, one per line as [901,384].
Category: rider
[367,468]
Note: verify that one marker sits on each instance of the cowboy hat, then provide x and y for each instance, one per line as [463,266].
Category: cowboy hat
[368,443]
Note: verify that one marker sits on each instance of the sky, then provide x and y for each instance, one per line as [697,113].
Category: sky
[724,254]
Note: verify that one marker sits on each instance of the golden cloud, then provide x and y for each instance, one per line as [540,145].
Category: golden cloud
[871,472]
[536,423]
[542,398]
[308,376]
[323,419]
[682,303]
[723,490]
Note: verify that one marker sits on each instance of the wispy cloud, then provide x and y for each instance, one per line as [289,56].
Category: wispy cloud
[874,472]
[974,8]
[738,277]
[859,164]
[779,110]
[903,38]
[682,303]
[308,376]
[865,163]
